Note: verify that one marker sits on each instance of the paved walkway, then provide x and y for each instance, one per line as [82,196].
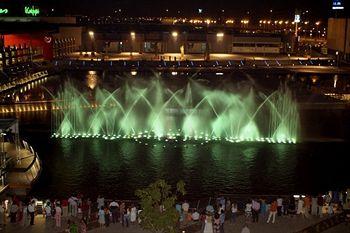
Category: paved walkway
[282,225]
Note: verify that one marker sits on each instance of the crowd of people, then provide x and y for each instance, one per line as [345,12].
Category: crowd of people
[213,217]
[77,211]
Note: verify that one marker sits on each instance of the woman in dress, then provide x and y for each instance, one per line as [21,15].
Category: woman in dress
[101,217]
[58,214]
[208,227]
[133,214]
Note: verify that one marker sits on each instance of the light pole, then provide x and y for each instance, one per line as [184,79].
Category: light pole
[337,54]
[92,38]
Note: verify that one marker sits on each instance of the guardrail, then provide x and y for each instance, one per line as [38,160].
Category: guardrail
[145,64]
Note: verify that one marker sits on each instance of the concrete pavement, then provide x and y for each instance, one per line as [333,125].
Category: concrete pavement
[282,225]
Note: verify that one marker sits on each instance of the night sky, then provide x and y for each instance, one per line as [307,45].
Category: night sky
[234,8]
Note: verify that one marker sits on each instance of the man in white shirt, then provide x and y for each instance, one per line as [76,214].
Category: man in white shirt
[114,206]
[73,204]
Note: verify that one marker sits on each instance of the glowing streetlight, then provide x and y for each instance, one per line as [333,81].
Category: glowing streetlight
[91,34]
[174,34]
[220,34]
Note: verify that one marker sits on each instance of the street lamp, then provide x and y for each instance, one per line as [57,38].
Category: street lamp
[92,34]
[337,54]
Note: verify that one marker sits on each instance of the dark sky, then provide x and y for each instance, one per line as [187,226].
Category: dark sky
[259,8]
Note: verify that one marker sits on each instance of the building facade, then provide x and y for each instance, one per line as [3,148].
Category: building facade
[191,42]
[338,37]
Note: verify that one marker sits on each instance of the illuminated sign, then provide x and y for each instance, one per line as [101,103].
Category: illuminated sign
[3,11]
[297,18]
[337,5]
[31,10]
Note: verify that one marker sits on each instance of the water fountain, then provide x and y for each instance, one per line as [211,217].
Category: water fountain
[194,112]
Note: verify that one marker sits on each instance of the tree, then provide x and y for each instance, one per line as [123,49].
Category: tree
[158,206]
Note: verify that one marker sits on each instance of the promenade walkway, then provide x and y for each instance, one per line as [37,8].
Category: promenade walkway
[282,225]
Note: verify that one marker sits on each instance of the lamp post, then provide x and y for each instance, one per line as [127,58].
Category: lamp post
[92,38]
[337,54]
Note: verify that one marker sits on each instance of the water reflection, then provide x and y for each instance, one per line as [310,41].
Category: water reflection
[117,168]
[91,79]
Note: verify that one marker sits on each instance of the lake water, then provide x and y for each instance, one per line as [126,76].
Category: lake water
[119,167]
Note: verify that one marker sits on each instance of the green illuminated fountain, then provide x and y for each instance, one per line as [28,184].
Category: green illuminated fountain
[194,112]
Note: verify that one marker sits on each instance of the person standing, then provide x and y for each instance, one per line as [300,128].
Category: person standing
[58,214]
[263,208]
[114,206]
[25,215]
[100,201]
[13,212]
[185,207]
[73,204]
[314,206]
[320,203]
[101,217]
[208,227]
[126,217]
[48,211]
[248,210]
[273,211]
[121,211]
[279,206]
[133,213]
[292,206]
[216,223]
[234,210]
[64,206]
[85,209]
[107,216]
[222,221]
[307,205]
[2,215]
[31,211]
[300,206]
[255,210]
[285,204]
